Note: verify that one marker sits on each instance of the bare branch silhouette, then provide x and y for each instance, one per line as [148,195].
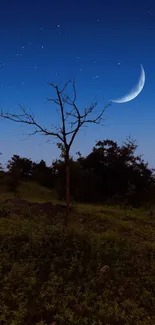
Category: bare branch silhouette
[73,117]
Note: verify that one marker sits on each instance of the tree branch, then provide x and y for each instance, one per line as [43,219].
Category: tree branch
[62,117]
[27,118]
[77,119]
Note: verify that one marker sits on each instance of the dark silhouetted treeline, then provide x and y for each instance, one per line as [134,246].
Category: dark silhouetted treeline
[110,174]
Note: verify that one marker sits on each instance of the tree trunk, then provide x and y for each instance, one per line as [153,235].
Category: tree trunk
[67,190]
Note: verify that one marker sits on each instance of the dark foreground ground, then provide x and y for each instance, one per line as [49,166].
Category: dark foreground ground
[48,275]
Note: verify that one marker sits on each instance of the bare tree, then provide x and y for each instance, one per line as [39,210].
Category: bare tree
[71,123]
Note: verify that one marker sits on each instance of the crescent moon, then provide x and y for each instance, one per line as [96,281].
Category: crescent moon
[135,91]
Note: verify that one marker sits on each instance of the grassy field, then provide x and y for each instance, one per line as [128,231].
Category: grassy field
[48,275]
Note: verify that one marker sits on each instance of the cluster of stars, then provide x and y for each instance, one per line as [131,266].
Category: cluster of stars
[58,26]
[23,47]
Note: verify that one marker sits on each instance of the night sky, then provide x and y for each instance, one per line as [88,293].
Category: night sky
[99,43]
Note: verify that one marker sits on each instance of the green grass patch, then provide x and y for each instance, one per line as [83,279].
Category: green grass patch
[48,274]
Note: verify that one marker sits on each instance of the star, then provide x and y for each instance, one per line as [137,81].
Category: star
[58,26]
[98,20]
[22,47]
[42,46]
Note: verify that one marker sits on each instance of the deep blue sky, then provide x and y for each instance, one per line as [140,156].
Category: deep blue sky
[101,44]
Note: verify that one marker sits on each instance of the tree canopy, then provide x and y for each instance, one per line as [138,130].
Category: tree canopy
[109,173]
